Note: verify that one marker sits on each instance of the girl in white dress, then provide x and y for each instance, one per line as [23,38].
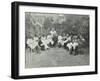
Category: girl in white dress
[53,32]
[60,41]
[49,40]
[45,42]
[29,43]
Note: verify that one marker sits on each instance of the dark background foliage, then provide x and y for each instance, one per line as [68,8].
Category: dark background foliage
[41,23]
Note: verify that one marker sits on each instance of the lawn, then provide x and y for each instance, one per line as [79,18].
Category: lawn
[55,57]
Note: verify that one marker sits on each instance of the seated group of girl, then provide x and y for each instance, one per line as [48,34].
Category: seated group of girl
[68,42]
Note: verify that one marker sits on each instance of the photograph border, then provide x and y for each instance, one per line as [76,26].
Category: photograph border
[15,39]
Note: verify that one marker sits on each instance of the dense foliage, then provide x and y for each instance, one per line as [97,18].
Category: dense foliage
[41,23]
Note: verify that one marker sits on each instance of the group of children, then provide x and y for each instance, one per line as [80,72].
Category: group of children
[40,42]
[66,41]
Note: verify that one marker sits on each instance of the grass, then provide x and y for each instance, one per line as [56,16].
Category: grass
[55,57]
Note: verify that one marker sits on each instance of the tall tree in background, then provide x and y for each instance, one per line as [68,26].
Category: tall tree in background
[41,23]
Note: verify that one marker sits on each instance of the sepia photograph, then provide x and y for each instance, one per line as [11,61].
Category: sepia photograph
[56,40]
